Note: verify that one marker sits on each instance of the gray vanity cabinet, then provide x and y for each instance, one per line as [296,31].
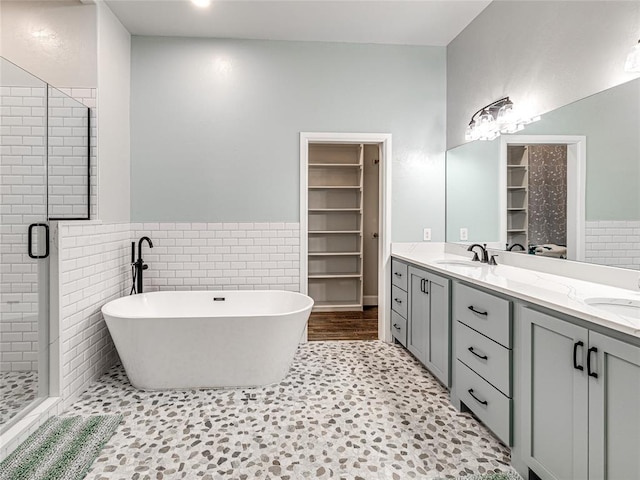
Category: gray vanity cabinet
[580,391]
[614,410]
[399,301]
[483,350]
[428,330]
[554,397]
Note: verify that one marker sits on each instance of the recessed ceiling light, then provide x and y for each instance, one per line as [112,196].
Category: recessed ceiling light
[201,3]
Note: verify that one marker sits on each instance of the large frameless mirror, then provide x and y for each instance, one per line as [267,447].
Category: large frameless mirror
[567,186]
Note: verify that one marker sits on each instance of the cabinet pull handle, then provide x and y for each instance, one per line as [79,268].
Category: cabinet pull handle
[423,286]
[591,372]
[396,326]
[397,300]
[575,359]
[397,274]
[470,307]
[483,357]
[481,402]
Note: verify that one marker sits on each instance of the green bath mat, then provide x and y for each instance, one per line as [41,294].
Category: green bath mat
[62,449]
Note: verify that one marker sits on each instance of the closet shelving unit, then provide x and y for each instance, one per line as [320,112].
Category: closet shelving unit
[335,226]
[517,195]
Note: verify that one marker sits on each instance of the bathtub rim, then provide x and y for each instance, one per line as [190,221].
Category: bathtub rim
[105,310]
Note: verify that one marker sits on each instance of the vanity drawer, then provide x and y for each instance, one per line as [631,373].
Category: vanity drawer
[489,405]
[399,274]
[399,328]
[483,312]
[399,301]
[487,358]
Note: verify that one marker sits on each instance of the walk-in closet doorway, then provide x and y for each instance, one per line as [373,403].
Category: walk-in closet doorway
[345,230]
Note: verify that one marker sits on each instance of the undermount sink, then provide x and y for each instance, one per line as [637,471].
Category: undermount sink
[459,263]
[618,306]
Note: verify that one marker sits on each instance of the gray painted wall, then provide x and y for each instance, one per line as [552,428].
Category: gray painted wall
[64,55]
[215,125]
[472,191]
[611,121]
[114,145]
[540,53]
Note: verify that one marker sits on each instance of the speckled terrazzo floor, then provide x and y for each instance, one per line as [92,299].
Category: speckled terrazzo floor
[348,410]
[17,390]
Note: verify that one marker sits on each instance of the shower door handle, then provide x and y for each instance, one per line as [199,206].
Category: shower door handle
[30,240]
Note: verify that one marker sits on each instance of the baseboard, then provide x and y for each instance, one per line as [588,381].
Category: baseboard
[370,300]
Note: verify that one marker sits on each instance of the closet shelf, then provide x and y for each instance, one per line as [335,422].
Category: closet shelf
[334,254]
[321,232]
[516,230]
[325,210]
[335,232]
[516,188]
[335,165]
[333,275]
[516,166]
[336,306]
[515,210]
[335,187]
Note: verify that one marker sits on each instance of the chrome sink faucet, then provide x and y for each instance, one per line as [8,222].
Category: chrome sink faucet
[485,255]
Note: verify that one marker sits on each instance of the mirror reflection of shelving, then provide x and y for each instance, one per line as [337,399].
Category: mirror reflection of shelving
[335,226]
[517,195]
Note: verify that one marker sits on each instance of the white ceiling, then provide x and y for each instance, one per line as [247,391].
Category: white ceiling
[413,22]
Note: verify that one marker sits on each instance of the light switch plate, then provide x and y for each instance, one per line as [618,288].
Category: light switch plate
[464,234]
[427,235]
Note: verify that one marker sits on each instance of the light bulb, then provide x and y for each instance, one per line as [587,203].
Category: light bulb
[486,126]
[633,59]
[201,3]
[505,113]
[507,118]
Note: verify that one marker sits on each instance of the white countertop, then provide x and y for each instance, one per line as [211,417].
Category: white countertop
[563,294]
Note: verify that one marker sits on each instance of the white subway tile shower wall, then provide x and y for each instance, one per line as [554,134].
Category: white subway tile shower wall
[67,159]
[23,201]
[613,243]
[94,269]
[87,96]
[230,256]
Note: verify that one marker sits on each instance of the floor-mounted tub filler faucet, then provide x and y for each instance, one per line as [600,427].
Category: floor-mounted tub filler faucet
[138,265]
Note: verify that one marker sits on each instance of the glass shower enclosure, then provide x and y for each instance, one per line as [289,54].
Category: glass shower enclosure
[44,175]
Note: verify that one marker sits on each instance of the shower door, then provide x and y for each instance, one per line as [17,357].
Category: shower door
[24,243]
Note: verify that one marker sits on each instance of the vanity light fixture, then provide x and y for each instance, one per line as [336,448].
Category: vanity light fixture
[496,118]
[633,59]
[201,3]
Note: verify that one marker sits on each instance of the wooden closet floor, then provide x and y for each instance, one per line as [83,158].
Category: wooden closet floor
[344,325]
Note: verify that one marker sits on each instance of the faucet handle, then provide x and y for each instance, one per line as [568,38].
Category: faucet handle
[477,259]
[492,260]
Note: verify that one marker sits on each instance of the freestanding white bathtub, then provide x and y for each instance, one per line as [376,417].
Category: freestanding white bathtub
[207,339]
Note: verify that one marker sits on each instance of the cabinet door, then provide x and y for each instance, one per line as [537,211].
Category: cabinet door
[554,396]
[418,314]
[614,411]
[438,345]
